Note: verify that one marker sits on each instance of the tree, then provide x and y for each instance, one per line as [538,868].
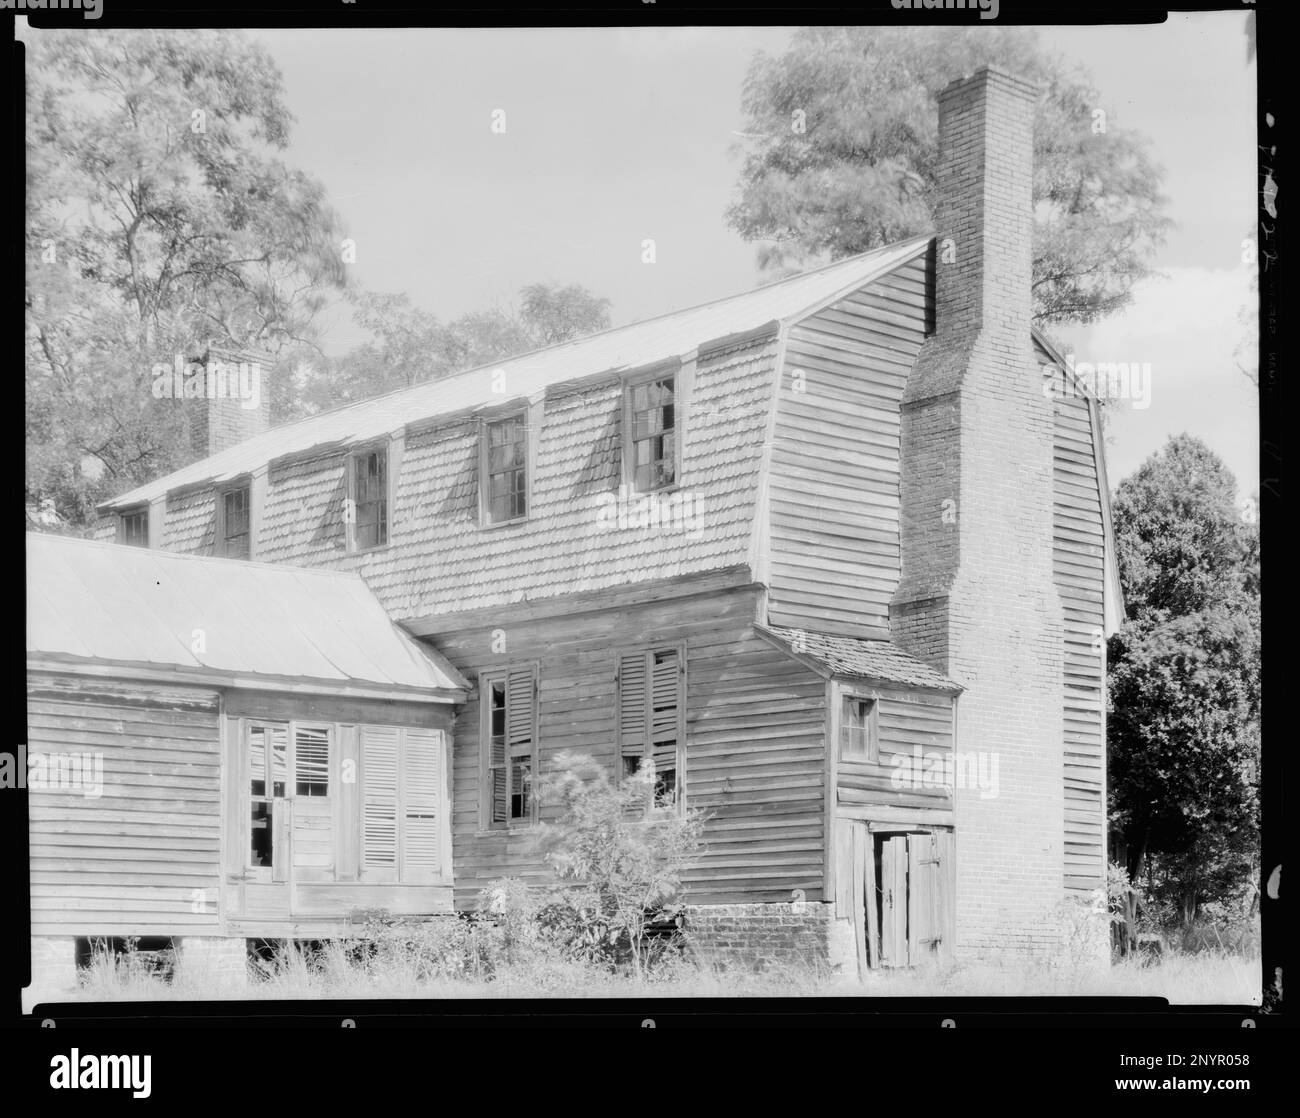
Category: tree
[159,219]
[1184,680]
[410,345]
[841,150]
[626,858]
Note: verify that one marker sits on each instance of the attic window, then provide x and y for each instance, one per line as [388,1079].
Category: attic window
[233,509]
[369,484]
[134,528]
[503,466]
[651,427]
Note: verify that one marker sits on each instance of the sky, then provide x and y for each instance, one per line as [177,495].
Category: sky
[613,136]
[617,135]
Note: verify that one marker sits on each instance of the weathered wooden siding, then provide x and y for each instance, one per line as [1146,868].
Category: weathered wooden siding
[1079,564]
[755,755]
[571,542]
[915,739]
[143,857]
[190,521]
[833,504]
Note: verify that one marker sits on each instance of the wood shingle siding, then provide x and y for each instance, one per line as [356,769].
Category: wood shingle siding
[144,853]
[833,501]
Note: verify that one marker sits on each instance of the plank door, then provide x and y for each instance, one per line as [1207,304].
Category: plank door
[893,902]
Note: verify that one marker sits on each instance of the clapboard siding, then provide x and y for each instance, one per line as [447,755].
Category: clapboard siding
[755,756]
[915,742]
[143,857]
[1079,564]
[833,480]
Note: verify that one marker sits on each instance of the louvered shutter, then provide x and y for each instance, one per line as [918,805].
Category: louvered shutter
[379,798]
[665,703]
[421,804]
[632,680]
[521,733]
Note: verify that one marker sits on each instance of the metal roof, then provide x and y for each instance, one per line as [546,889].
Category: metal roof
[322,631]
[528,375]
[847,656]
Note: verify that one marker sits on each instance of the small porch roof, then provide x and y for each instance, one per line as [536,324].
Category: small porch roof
[881,661]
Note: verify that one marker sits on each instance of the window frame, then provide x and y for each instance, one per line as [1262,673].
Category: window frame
[521,415]
[848,694]
[669,371]
[220,539]
[648,650]
[132,513]
[486,679]
[354,456]
[290,728]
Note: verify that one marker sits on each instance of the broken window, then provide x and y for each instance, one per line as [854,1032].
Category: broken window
[267,765]
[651,717]
[652,434]
[509,745]
[504,465]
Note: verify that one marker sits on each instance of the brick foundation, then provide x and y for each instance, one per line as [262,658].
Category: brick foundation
[760,936]
[54,971]
[212,959]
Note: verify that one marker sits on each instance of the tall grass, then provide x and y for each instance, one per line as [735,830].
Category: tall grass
[338,971]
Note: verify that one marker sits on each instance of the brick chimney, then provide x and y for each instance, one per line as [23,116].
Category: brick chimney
[977,598]
[236,400]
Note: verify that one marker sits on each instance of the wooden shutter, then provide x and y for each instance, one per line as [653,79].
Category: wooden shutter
[665,707]
[632,702]
[893,902]
[379,798]
[421,805]
[521,734]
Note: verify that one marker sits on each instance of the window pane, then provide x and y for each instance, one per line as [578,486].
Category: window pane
[135,529]
[259,853]
[519,770]
[279,759]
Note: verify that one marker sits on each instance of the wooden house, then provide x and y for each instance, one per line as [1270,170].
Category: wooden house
[833,554]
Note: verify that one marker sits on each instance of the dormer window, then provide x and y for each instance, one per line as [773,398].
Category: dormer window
[368,484]
[234,520]
[503,468]
[133,528]
[650,424]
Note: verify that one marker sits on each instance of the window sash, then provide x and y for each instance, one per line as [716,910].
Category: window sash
[235,522]
[370,498]
[859,740]
[135,528]
[504,461]
[652,433]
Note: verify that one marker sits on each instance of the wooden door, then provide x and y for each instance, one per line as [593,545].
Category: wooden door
[917,887]
[893,901]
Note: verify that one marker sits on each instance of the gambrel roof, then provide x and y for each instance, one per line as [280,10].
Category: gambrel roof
[528,375]
[221,621]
